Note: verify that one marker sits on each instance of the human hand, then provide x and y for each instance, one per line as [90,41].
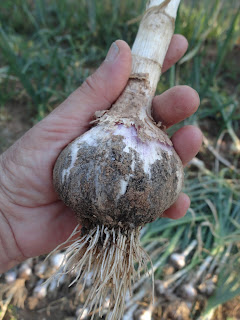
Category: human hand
[33,220]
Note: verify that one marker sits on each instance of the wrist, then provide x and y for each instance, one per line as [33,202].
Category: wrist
[9,252]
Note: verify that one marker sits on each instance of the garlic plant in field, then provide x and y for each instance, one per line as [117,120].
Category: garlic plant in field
[189,290]
[121,174]
[178,260]
[43,270]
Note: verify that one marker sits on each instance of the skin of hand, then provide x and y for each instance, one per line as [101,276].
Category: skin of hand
[33,221]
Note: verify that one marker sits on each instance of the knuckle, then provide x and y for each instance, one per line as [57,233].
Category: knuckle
[90,86]
[95,87]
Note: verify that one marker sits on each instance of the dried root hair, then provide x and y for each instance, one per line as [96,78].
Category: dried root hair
[115,260]
[15,292]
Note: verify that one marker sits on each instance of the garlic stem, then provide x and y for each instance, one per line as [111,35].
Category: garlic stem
[176,276]
[150,273]
[148,52]
[137,297]
[163,286]
[189,248]
[202,269]
[129,314]
[147,58]
[188,290]
[224,258]
[214,265]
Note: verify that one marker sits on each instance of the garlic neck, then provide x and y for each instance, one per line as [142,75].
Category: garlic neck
[133,107]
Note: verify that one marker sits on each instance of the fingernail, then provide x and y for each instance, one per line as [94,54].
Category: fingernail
[112,53]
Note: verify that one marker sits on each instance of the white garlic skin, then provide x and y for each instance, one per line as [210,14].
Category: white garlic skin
[40,291]
[40,269]
[142,315]
[178,260]
[110,176]
[56,260]
[84,313]
[189,292]
[10,276]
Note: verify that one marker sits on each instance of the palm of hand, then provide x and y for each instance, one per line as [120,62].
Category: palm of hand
[38,220]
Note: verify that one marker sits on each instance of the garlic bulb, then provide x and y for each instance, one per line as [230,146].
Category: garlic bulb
[10,276]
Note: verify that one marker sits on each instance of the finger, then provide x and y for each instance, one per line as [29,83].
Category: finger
[187,142]
[179,208]
[175,105]
[176,50]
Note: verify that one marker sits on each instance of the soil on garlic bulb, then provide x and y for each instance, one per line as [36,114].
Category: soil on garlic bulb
[116,180]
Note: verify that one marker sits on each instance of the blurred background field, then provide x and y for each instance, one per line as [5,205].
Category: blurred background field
[47,48]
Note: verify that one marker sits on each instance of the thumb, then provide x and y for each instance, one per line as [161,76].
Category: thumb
[98,92]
